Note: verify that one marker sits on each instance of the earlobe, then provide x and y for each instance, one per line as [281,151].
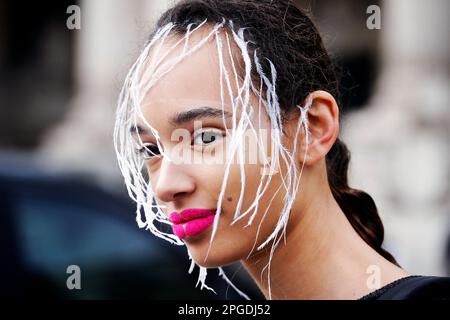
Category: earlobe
[323,125]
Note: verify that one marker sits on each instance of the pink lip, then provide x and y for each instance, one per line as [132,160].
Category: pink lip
[191,222]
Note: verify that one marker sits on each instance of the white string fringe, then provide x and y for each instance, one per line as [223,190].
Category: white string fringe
[146,72]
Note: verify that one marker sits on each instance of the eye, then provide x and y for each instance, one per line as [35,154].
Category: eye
[148,151]
[207,137]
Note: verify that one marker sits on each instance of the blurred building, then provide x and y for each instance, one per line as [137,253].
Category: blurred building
[59,89]
[400,139]
[111,36]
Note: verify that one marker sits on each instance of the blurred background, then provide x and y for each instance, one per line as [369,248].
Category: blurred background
[62,198]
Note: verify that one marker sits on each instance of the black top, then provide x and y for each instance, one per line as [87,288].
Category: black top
[413,287]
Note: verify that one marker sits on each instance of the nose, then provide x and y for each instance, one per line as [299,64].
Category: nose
[173,182]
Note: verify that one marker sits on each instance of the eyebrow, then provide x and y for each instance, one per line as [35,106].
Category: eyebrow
[188,116]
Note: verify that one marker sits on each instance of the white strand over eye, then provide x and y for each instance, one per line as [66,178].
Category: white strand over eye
[145,74]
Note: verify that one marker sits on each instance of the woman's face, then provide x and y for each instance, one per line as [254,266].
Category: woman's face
[177,106]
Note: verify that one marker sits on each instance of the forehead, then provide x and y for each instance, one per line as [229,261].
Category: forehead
[205,77]
[196,77]
[183,80]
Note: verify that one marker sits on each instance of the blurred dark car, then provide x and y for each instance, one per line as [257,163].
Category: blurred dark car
[50,222]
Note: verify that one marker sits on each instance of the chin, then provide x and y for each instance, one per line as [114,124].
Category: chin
[214,259]
[218,256]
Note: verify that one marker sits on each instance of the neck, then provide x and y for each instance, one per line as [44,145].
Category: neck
[323,257]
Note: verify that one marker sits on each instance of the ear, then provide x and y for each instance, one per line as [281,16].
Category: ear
[323,126]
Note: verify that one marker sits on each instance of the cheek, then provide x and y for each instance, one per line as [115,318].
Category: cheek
[268,206]
[234,242]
